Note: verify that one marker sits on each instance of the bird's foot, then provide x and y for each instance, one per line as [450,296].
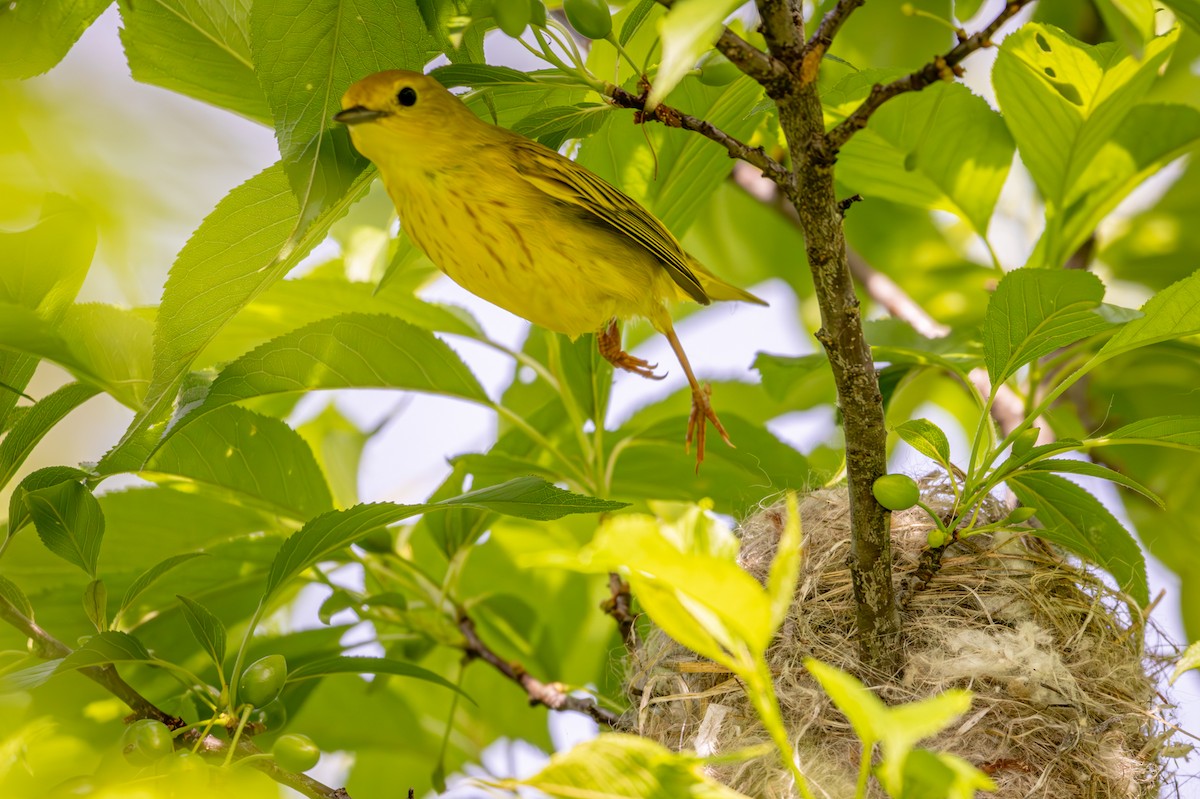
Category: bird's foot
[702,413]
[609,342]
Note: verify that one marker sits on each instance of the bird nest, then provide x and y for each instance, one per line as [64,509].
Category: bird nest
[1065,701]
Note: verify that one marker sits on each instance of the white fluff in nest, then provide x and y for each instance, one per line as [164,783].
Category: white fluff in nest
[1022,662]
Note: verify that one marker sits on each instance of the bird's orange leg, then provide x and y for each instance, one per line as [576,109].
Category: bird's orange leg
[702,411]
[609,341]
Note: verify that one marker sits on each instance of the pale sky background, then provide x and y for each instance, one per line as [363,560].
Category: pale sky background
[203,152]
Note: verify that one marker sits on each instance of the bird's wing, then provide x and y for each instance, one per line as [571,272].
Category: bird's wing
[565,181]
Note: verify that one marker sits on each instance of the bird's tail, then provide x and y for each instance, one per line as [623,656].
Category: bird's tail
[718,289]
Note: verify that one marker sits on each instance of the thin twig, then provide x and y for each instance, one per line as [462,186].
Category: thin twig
[675,118]
[49,647]
[818,44]
[550,695]
[619,605]
[943,67]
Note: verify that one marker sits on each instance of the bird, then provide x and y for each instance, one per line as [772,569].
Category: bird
[528,229]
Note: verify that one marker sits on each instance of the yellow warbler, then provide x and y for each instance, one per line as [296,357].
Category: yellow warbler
[525,228]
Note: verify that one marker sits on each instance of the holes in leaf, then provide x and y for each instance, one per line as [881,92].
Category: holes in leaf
[1041,42]
[1050,72]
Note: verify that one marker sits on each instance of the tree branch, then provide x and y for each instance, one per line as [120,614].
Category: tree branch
[48,647]
[942,67]
[818,44]
[748,58]
[550,695]
[736,148]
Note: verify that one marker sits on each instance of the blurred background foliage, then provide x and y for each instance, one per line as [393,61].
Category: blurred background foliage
[103,180]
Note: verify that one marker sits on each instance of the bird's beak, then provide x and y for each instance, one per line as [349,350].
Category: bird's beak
[357,114]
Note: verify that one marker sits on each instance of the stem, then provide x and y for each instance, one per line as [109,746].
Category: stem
[766,704]
[864,771]
[545,443]
[241,655]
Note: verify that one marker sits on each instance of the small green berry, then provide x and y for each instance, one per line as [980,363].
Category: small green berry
[295,752]
[262,680]
[146,741]
[896,491]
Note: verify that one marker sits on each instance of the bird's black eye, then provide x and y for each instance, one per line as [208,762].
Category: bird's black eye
[407,96]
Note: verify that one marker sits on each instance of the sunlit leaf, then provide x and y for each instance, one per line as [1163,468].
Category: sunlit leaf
[926,438]
[347,351]
[688,30]
[1064,102]
[151,576]
[34,36]
[240,249]
[619,766]
[1190,660]
[197,48]
[943,148]
[1089,469]
[36,423]
[95,604]
[1172,313]
[1182,431]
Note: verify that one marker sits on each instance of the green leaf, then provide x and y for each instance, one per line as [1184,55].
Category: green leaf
[620,766]
[1035,312]
[34,36]
[905,725]
[525,497]
[45,265]
[653,463]
[552,126]
[1130,21]
[475,75]
[1089,469]
[290,304]
[706,602]
[341,664]
[865,712]
[207,629]
[69,522]
[926,438]
[943,148]
[1074,519]
[255,457]
[1064,102]
[95,604]
[306,55]
[18,513]
[11,592]
[104,648]
[240,249]
[1145,141]
[785,567]
[149,577]
[1172,313]
[1190,660]
[100,344]
[1179,431]
[337,444]
[36,423]
[347,351]
[635,19]
[688,30]
[197,48]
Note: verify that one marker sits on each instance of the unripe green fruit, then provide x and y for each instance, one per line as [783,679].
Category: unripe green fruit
[295,752]
[262,680]
[512,15]
[145,741]
[537,16]
[935,538]
[590,17]
[270,717]
[896,491]
[716,69]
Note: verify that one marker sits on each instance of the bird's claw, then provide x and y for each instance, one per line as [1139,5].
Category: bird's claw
[609,341]
[702,413]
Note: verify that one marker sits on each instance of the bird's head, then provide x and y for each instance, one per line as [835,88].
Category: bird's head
[391,114]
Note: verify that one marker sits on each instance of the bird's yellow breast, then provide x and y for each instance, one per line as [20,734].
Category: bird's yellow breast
[494,235]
